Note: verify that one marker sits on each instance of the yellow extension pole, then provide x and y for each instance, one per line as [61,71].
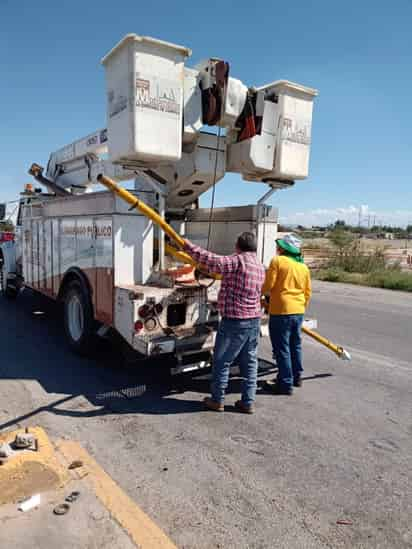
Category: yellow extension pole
[339,351]
[185,258]
[142,207]
[156,218]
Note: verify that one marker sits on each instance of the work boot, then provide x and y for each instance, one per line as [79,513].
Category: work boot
[297,382]
[241,407]
[277,388]
[213,405]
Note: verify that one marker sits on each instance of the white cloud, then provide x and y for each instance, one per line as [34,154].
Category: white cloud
[364,209]
[350,214]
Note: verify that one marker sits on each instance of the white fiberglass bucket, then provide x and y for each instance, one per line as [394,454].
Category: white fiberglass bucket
[145,80]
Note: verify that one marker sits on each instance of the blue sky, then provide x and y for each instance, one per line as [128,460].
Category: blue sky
[358,54]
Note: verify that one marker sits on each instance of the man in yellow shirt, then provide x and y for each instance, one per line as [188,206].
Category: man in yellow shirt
[288,287]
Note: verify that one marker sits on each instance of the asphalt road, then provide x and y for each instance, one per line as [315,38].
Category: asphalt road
[339,449]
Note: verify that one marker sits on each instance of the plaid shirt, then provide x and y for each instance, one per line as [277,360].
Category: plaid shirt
[242,280]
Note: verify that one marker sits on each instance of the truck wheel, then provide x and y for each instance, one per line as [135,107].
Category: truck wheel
[79,323]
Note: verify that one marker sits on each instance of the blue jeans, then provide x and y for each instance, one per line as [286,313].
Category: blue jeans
[236,339]
[286,338]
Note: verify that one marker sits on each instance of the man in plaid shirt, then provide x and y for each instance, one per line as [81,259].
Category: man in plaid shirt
[240,310]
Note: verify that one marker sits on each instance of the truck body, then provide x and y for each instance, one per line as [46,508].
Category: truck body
[105,261]
[96,239]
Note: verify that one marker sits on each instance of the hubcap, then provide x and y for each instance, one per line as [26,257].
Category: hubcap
[75,317]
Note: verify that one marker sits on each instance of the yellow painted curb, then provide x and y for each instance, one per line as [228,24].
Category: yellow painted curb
[143,531]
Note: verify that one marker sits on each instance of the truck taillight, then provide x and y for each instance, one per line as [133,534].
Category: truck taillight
[138,326]
[6,237]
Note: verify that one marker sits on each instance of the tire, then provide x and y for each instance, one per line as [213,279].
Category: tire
[79,323]
[11,293]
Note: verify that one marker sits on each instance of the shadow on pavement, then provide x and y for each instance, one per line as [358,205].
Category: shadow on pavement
[34,348]
[316,376]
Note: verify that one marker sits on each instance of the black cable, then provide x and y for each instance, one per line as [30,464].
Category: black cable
[212,205]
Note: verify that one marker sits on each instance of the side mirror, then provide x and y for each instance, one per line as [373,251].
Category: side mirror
[2,212]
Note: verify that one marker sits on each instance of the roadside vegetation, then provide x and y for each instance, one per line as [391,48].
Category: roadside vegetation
[350,263]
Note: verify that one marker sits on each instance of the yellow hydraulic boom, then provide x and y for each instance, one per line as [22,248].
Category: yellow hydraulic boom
[185,258]
[337,349]
[156,218]
[142,207]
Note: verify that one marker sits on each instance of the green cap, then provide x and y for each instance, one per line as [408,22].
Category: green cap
[290,243]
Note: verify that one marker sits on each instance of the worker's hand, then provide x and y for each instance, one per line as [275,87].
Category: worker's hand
[264,302]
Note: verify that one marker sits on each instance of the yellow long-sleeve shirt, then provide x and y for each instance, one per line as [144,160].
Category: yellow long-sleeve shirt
[288,284]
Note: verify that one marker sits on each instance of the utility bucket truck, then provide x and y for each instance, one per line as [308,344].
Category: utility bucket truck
[109,263]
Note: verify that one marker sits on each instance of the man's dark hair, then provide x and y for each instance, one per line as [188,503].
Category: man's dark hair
[246,242]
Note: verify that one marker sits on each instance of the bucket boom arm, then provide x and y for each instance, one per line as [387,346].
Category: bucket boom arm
[157,119]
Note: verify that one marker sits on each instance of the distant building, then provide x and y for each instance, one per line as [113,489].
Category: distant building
[384,236]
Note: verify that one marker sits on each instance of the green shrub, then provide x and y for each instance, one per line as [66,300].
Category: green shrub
[330,275]
[342,240]
[387,278]
[390,279]
[350,263]
[353,259]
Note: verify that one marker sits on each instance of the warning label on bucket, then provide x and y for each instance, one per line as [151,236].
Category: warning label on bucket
[157,94]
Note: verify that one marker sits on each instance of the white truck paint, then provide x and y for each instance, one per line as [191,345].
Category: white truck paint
[105,262]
